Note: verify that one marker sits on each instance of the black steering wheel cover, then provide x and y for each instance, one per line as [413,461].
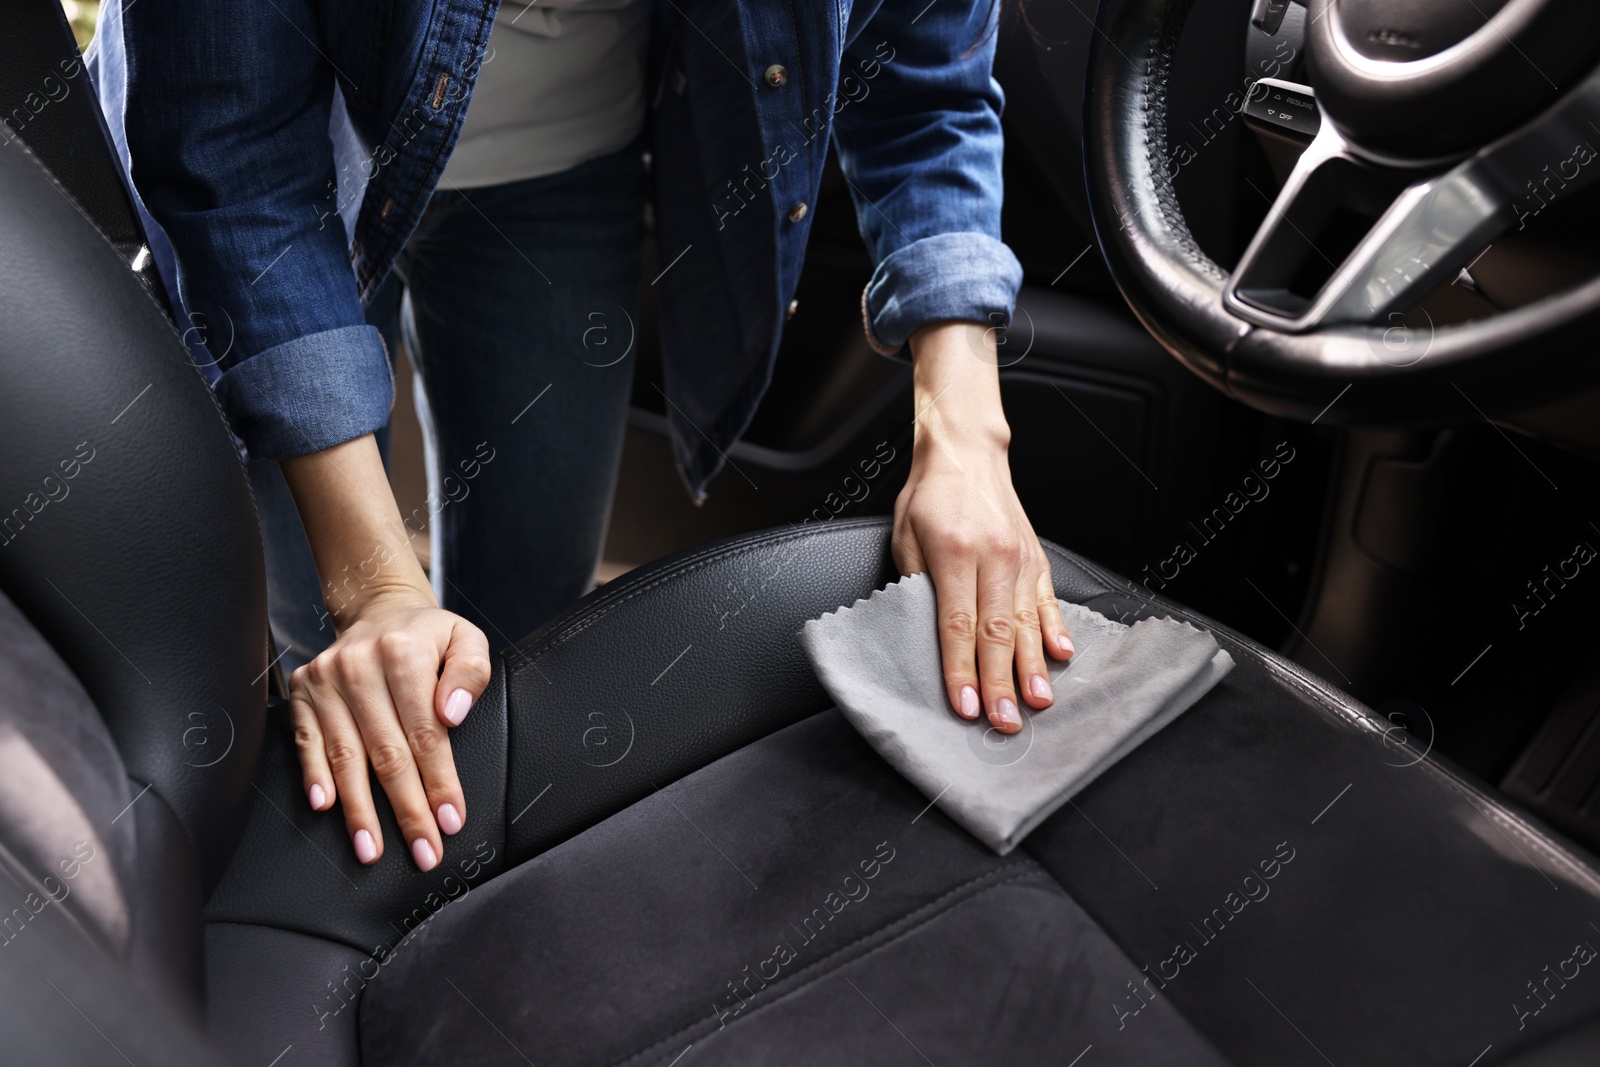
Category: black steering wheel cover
[1170,283]
[1505,364]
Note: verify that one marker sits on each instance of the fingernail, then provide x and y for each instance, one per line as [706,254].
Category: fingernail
[449,819]
[456,708]
[422,852]
[318,797]
[969,702]
[1040,688]
[366,851]
[1006,712]
[1064,643]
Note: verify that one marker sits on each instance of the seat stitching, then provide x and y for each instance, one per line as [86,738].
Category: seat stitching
[683,567]
[911,921]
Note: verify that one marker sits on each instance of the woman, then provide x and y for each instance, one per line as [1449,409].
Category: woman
[301,158]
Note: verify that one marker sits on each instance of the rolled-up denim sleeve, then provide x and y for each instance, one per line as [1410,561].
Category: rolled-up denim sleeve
[917,126]
[226,118]
[967,277]
[309,393]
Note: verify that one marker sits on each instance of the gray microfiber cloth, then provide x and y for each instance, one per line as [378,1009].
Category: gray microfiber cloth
[879,660]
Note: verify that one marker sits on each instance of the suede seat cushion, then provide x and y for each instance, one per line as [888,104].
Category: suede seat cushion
[794,902]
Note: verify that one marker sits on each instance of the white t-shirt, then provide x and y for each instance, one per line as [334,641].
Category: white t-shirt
[562,83]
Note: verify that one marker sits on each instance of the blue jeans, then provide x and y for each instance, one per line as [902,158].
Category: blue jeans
[517,304]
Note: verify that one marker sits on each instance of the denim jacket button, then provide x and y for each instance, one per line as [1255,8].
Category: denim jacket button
[797,212]
[777,75]
[794,306]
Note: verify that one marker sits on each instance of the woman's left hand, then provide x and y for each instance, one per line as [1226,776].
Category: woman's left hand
[959,518]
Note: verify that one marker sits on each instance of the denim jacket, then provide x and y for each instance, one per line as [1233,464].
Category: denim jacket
[282,151]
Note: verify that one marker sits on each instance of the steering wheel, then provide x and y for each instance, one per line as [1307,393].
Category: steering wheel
[1438,133]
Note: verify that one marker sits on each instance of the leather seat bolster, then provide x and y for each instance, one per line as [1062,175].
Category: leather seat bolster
[676,665]
[296,870]
[1132,602]
[270,990]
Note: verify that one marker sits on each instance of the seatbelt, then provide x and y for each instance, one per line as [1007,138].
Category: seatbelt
[48,101]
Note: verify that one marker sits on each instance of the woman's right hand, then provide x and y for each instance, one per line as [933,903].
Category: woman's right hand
[401,672]
[384,695]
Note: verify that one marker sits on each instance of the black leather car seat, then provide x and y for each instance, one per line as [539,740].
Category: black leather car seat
[676,852]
